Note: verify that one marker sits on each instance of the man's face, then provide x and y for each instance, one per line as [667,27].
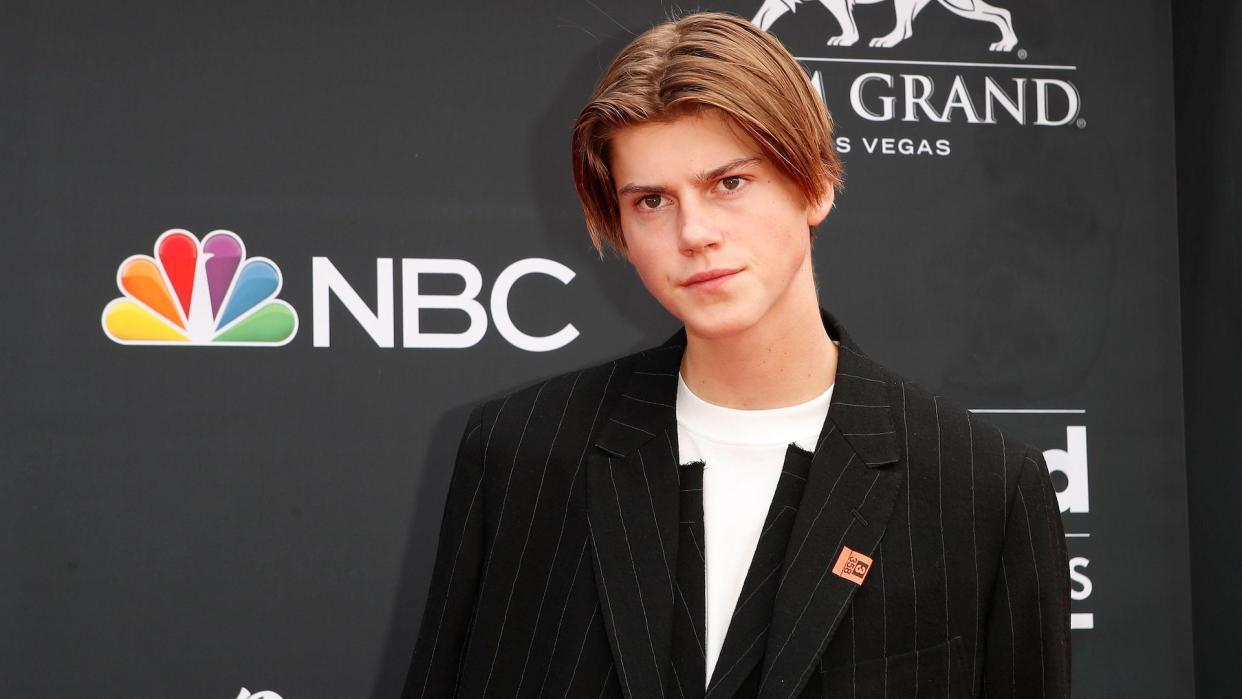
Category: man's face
[696,195]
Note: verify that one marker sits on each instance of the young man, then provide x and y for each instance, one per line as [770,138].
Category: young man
[753,508]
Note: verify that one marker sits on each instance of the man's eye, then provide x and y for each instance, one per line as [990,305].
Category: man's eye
[731,183]
[651,201]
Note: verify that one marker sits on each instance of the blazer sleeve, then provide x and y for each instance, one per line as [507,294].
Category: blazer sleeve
[449,611]
[1028,630]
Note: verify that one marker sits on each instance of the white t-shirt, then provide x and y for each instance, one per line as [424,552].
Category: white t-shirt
[742,453]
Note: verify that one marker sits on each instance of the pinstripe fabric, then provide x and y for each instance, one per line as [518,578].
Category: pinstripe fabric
[689,656]
[555,573]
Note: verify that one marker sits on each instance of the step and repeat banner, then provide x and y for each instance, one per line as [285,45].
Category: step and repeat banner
[261,260]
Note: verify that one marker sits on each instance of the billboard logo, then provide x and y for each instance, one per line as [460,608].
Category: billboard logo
[1070,466]
[199,293]
[905,11]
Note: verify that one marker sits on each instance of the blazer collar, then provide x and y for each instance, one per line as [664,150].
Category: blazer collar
[648,400]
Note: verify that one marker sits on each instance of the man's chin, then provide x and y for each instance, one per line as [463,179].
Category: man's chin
[717,323]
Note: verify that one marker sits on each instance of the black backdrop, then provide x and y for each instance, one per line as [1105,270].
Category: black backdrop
[1207,53]
[192,521]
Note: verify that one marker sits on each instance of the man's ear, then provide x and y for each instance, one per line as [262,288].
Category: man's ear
[817,212]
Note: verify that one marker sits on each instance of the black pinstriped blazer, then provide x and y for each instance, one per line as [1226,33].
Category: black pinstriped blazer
[555,570]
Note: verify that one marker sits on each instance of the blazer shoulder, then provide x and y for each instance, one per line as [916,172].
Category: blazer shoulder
[944,423]
[596,383]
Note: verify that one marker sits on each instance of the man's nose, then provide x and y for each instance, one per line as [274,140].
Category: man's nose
[698,227]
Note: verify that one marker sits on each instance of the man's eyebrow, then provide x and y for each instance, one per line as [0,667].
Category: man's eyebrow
[704,177]
[701,178]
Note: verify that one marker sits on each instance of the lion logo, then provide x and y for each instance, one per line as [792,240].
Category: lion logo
[906,11]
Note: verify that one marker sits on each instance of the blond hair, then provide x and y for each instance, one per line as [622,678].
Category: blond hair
[712,60]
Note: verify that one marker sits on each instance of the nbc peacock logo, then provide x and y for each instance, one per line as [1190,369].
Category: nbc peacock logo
[202,293]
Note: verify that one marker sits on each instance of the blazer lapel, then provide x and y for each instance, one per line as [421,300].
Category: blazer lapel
[847,501]
[632,511]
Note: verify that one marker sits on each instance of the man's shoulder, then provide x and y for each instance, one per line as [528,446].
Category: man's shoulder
[938,421]
[595,383]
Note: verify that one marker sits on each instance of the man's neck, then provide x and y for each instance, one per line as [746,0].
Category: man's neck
[777,363]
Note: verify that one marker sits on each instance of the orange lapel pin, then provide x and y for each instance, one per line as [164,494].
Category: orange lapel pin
[852,565]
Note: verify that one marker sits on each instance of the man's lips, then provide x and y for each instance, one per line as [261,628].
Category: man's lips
[709,275]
